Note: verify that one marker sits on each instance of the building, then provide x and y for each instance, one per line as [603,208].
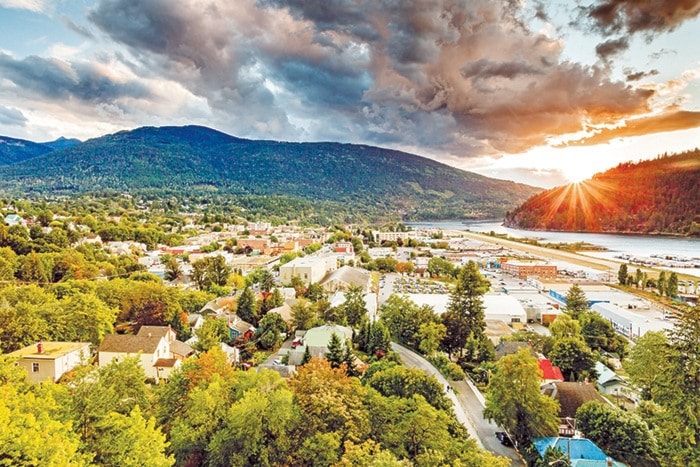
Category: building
[506,308]
[523,270]
[380,237]
[51,360]
[310,269]
[629,323]
[550,373]
[317,340]
[571,396]
[345,277]
[580,451]
[156,348]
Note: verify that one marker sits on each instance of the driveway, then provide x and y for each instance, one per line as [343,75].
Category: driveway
[468,406]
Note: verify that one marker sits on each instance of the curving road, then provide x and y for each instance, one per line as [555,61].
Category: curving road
[468,406]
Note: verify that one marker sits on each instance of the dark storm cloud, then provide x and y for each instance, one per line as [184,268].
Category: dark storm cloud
[465,77]
[56,79]
[76,28]
[631,75]
[648,16]
[10,116]
[610,48]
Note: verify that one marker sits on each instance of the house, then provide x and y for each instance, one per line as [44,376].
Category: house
[317,340]
[156,347]
[511,348]
[571,396]
[51,360]
[239,328]
[550,373]
[581,452]
[285,312]
[610,382]
[345,277]
[14,219]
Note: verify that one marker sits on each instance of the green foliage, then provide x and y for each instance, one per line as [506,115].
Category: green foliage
[576,301]
[620,434]
[600,335]
[354,306]
[394,380]
[247,308]
[447,367]
[213,332]
[647,364]
[574,358]
[404,318]
[514,400]
[465,311]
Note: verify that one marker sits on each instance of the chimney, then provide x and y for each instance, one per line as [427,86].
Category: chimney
[40,347]
[149,334]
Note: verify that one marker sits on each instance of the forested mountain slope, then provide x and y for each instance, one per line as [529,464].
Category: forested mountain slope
[661,195]
[368,180]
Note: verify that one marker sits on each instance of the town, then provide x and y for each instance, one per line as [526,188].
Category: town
[168,300]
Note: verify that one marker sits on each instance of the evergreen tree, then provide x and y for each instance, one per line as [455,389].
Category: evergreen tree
[576,301]
[247,308]
[672,285]
[355,305]
[622,274]
[172,269]
[307,356]
[467,304]
[661,283]
[335,353]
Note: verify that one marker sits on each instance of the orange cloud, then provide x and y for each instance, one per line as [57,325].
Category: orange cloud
[670,121]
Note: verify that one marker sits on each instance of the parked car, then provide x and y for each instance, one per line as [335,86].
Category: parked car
[297,342]
[504,438]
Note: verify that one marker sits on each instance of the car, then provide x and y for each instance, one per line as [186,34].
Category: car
[276,362]
[297,342]
[504,438]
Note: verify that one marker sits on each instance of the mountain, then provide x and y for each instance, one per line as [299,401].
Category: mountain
[13,150]
[192,160]
[653,196]
[62,143]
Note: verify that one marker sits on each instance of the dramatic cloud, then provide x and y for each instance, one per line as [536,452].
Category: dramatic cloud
[671,121]
[637,75]
[59,80]
[648,16]
[612,47]
[10,116]
[464,77]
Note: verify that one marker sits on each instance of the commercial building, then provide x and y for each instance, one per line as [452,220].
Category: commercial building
[523,270]
[310,269]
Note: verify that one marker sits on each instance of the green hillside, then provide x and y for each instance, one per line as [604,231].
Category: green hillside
[367,181]
[13,150]
[654,196]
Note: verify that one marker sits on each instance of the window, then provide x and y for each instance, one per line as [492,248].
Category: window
[35,367]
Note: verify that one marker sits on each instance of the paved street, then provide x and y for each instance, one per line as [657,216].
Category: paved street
[467,404]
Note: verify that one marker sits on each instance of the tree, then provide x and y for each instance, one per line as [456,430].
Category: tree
[514,400]
[392,380]
[306,358]
[316,292]
[600,335]
[272,328]
[565,326]
[661,283]
[466,299]
[622,274]
[403,318]
[213,332]
[32,269]
[303,314]
[439,267]
[576,301]
[672,285]
[456,332]
[430,335]
[131,441]
[173,270]
[267,280]
[335,351]
[638,278]
[355,305]
[574,358]
[247,308]
[619,433]
[646,365]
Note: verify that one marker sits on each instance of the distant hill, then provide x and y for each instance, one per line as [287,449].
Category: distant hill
[62,143]
[371,181]
[13,150]
[654,196]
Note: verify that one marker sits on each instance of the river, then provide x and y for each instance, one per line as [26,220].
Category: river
[615,244]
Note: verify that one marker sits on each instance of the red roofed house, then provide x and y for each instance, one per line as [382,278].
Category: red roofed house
[550,373]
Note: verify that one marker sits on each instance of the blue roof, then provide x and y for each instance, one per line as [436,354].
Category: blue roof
[578,449]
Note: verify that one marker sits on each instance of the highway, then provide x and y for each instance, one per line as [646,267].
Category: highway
[468,406]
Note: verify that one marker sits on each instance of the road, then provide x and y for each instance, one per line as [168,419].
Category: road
[468,406]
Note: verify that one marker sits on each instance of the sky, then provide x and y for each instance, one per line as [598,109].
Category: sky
[540,92]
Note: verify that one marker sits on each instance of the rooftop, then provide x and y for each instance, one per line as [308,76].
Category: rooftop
[50,350]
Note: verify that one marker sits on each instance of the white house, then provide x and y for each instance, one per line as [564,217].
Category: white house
[51,360]
[156,347]
[310,269]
